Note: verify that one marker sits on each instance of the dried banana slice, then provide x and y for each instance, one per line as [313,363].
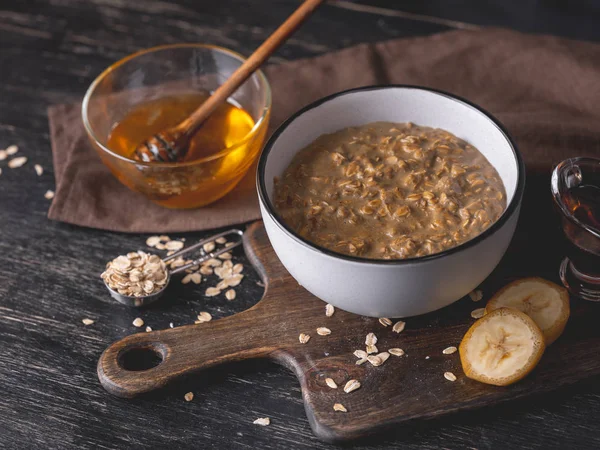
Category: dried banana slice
[545,302]
[502,347]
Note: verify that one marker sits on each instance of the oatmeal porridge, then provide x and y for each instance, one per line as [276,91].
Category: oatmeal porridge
[389,191]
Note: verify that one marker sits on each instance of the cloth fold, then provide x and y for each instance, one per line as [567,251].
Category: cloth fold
[544,89]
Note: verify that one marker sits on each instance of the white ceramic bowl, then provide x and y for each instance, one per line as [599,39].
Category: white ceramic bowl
[392,288]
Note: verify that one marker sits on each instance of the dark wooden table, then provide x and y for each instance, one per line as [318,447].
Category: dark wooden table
[50,50]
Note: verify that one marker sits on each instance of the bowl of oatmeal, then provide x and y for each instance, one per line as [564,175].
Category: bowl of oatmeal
[390,201]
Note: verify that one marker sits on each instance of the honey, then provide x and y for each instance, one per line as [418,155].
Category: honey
[227,126]
[190,185]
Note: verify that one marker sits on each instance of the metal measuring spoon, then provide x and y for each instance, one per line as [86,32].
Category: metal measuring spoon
[144,300]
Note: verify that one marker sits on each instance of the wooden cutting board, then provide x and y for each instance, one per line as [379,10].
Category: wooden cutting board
[403,388]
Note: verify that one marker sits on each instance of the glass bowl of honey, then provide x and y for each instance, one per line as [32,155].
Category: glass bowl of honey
[155,89]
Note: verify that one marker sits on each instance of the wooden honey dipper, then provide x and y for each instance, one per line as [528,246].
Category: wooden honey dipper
[171,145]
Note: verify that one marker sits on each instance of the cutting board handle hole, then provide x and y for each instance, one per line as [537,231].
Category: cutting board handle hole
[136,359]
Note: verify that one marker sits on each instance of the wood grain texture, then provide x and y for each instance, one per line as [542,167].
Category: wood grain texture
[50,398]
[404,388]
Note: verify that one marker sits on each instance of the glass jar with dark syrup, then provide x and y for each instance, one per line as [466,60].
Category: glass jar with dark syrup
[575,186]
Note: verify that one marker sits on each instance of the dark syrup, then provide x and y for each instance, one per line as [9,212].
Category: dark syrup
[583,201]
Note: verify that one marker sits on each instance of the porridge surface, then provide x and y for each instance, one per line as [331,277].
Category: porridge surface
[389,191]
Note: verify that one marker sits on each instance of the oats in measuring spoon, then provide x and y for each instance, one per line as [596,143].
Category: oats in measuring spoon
[136,274]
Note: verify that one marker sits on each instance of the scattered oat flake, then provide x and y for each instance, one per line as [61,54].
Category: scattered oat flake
[384,356]
[478,313]
[208,247]
[262,421]
[230,294]
[332,384]
[238,268]
[449,376]
[11,150]
[225,255]
[148,329]
[360,354]
[39,170]
[379,359]
[304,338]
[49,195]
[339,407]
[371,349]
[17,162]
[212,291]
[375,360]
[396,351]
[87,321]
[476,295]
[174,245]
[186,279]
[351,386]
[449,350]
[371,339]
[361,361]
[220,240]
[398,327]
[204,317]
[385,321]
[329,310]
[3,155]
[138,322]
[323,331]
[189,396]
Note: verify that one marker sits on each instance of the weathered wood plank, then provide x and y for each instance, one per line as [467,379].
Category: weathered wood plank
[50,50]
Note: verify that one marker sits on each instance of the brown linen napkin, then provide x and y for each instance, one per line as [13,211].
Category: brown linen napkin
[544,89]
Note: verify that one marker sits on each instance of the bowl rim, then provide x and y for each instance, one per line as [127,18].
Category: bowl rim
[253,131]
[508,211]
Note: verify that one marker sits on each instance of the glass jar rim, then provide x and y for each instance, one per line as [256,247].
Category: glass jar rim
[90,91]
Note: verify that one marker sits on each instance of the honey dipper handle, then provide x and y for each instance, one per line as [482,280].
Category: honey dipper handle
[143,362]
[260,55]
